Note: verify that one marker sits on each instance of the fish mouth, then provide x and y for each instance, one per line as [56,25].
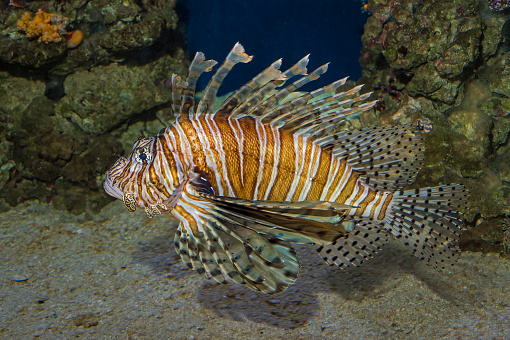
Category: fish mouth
[114,191]
[110,187]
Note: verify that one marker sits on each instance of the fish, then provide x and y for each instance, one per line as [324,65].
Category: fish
[262,172]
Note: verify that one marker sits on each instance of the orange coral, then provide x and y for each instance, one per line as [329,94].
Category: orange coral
[74,38]
[44,25]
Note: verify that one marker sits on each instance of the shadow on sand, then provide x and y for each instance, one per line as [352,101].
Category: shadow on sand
[294,307]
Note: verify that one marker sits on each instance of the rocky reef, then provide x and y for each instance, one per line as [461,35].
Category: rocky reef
[68,110]
[448,61]
[111,29]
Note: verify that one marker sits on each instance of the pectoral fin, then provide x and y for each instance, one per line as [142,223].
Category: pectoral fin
[221,245]
[249,241]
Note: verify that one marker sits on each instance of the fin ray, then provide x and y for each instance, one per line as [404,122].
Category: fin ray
[352,249]
[235,56]
[388,157]
[198,66]
[427,221]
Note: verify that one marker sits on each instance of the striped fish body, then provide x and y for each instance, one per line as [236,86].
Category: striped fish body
[251,160]
[263,171]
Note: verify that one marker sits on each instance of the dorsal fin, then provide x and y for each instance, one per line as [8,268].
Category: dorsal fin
[311,114]
[269,74]
[235,56]
[258,98]
[321,120]
[281,94]
[198,66]
[389,157]
[284,110]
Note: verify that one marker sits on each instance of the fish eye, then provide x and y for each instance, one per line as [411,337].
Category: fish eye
[143,155]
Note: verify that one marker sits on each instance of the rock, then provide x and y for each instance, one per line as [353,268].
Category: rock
[475,127]
[433,41]
[106,96]
[40,330]
[51,147]
[19,278]
[16,93]
[428,82]
[86,320]
[133,25]
[454,54]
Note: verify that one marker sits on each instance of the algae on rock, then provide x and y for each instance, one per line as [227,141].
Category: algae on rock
[450,56]
[106,96]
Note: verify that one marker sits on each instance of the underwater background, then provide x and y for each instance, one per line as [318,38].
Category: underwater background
[80,80]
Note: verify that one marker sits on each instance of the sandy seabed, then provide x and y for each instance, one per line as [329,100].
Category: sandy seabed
[116,276]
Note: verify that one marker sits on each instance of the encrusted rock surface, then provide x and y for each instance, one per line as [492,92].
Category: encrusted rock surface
[431,45]
[59,151]
[106,96]
[64,112]
[448,61]
[110,28]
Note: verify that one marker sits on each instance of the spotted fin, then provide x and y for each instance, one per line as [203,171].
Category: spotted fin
[353,248]
[428,222]
[388,157]
[186,247]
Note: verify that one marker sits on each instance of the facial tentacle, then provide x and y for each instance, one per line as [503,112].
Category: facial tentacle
[129,201]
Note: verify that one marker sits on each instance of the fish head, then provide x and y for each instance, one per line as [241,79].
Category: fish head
[128,179]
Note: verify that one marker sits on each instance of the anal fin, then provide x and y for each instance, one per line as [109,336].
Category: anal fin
[353,248]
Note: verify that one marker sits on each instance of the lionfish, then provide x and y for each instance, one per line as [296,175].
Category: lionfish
[269,167]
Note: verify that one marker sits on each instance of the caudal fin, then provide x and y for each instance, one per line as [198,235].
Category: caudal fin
[428,221]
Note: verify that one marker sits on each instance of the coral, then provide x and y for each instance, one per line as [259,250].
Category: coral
[447,61]
[74,38]
[110,29]
[48,27]
[498,5]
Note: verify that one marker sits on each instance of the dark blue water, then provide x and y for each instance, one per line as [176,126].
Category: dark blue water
[330,30]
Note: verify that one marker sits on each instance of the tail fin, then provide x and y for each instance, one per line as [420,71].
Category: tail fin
[428,221]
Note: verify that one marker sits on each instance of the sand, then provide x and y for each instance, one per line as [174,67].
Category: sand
[116,276]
